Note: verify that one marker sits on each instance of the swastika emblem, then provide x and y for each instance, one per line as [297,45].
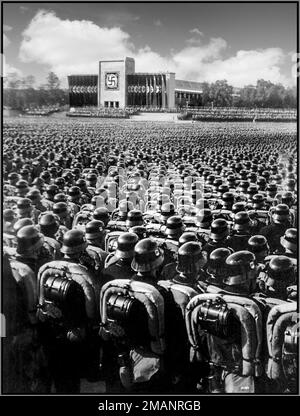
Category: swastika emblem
[112,80]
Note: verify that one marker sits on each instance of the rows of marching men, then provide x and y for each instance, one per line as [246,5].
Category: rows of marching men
[162,269]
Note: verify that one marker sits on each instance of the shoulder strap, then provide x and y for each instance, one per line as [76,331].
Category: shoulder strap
[75,272]
[181,294]
[26,278]
[151,299]
[278,319]
[248,333]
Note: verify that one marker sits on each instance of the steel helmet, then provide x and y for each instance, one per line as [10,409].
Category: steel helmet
[81,183]
[60,197]
[174,226]
[281,213]
[287,198]
[216,265]
[91,178]
[101,214]
[258,201]
[241,268]
[290,239]
[22,223]
[242,222]
[238,207]
[29,240]
[125,245]
[60,209]
[219,229]
[51,190]
[74,193]
[48,223]
[13,177]
[74,242]
[147,256]
[258,245]
[34,195]
[60,182]
[134,217]
[228,200]
[8,215]
[94,230]
[22,187]
[186,237]
[271,189]
[281,273]
[24,205]
[190,258]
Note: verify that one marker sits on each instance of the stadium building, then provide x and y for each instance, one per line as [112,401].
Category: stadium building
[117,85]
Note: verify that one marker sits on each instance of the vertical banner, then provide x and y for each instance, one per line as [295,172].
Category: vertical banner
[159,91]
[155,92]
[151,92]
[163,91]
[147,93]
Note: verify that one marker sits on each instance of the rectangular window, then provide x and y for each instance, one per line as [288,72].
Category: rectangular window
[112,104]
[117,104]
[105,103]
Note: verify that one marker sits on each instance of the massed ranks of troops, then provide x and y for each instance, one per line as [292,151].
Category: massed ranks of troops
[148,274]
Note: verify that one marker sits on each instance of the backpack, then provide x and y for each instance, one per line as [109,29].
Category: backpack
[67,295]
[129,308]
[181,294]
[26,280]
[221,315]
[282,338]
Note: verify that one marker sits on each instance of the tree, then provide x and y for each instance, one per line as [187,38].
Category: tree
[221,93]
[205,96]
[53,81]
[262,89]
[13,81]
[29,81]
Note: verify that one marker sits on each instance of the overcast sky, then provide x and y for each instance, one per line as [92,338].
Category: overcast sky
[200,42]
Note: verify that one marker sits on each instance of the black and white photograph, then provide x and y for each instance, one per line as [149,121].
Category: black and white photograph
[150,201]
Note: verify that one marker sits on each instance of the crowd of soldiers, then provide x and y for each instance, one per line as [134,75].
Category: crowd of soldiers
[151,258]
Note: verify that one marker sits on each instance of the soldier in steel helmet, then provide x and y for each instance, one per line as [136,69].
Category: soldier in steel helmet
[94,232]
[219,232]
[281,221]
[241,231]
[190,265]
[118,264]
[147,262]
[278,275]
[75,250]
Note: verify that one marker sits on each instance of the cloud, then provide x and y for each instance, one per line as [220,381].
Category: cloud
[6,41]
[118,18]
[157,22]
[24,9]
[75,46]
[196,31]
[7,28]
[9,69]
[70,46]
